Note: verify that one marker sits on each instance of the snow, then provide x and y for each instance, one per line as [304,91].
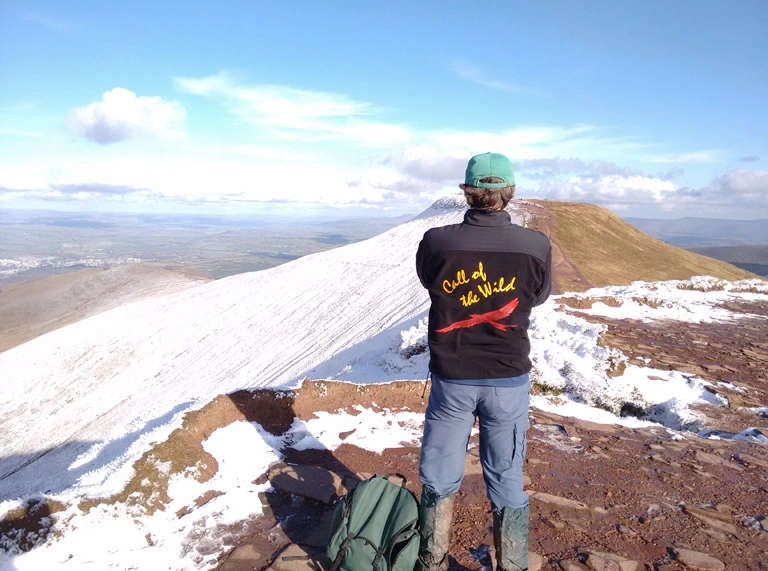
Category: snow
[80,405]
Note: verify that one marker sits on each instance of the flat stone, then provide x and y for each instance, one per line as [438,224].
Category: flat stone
[718,535]
[555,524]
[242,558]
[299,558]
[599,561]
[675,445]
[707,458]
[535,561]
[717,524]
[697,560]
[581,526]
[749,459]
[571,431]
[712,514]
[560,502]
[625,530]
[542,417]
[306,480]
[588,425]
[573,565]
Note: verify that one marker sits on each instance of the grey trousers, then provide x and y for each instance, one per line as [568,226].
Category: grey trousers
[503,415]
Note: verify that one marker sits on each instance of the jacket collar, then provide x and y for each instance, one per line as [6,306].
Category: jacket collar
[485,217]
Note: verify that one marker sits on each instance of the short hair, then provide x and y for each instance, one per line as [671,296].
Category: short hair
[481,197]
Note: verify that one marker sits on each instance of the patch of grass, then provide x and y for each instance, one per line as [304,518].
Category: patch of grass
[183,451]
[609,251]
[32,524]
[616,366]
[539,388]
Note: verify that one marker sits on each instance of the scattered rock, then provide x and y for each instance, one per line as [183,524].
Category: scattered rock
[717,524]
[299,558]
[598,561]
[722,515]
[571,431]
[697,560]
[242,558]
[587,425]
[707,458]
[749,459]
[573,565]
[560,503]
[306,480]
[555,523]
[624,530]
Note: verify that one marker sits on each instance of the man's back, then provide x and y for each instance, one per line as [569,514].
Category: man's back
[484,276]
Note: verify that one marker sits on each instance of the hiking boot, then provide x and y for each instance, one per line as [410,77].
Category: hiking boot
[510,538]
[435,522]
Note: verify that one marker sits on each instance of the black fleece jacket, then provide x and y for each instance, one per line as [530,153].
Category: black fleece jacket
[484,276]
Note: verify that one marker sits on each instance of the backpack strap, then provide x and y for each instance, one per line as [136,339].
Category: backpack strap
[404,534]
[342,552]
[345,546]
[399,475]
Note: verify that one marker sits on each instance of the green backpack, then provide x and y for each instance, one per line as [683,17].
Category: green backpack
[375,526]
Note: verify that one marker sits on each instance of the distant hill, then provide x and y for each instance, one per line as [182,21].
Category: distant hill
[591,248]
[751,258]
[597,248]
[35,307]
[692,233]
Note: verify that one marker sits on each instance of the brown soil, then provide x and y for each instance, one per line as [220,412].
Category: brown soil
[640,493]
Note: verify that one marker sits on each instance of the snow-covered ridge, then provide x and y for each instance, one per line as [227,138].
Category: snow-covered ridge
[90,381]
[13,266]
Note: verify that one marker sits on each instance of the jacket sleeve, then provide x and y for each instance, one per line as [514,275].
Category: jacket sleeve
[546,285]
[421,262]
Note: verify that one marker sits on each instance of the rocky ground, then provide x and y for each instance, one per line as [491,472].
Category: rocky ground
[603,497]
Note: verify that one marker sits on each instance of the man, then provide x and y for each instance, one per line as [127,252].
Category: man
[484,276]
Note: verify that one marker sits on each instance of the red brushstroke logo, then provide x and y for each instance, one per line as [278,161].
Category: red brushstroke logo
[491,318]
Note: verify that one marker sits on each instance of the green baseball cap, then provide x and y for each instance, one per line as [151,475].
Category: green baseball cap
[489,164]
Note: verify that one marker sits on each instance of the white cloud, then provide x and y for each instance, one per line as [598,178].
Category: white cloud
[742,193]
[297,114]
[746,187]
[122,115]
[362,160]
[615,190]
[466,69]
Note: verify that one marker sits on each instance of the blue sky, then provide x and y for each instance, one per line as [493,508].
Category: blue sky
[654,109]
